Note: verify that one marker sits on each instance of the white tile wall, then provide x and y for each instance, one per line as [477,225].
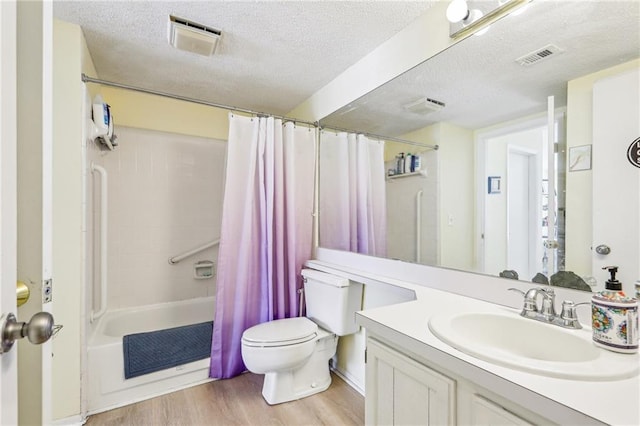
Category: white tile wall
[401,212]
[165,197]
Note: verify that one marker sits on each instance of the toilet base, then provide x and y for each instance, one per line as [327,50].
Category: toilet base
[313,377]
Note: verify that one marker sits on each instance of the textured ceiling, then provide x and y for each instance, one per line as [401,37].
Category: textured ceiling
[272,56]
[479,80]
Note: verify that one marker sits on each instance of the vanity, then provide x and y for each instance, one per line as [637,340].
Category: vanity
[414,377]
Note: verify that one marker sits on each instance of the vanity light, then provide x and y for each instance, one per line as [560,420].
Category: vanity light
[473,21]
[458,10]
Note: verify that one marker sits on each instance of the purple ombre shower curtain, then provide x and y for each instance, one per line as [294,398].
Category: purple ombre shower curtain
[266,231]
[353,211]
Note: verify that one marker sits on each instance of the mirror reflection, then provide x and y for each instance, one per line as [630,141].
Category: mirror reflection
[508,191]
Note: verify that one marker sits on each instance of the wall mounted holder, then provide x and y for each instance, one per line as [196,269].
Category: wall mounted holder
[203,270]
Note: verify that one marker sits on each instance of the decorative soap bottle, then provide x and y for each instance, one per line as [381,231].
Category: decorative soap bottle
[614,317]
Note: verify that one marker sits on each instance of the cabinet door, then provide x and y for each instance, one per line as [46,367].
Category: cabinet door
[401,391]
[485,412]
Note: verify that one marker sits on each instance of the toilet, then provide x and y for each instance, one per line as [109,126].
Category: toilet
[294,353]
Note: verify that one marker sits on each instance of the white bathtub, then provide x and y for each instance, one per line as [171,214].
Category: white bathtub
[107,387]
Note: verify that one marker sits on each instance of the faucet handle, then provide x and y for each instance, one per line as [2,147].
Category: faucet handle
[548,309]
[568,315]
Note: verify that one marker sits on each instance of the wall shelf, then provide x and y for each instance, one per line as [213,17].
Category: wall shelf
[422,173]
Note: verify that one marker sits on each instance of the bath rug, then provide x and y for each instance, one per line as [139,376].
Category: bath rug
[145,353]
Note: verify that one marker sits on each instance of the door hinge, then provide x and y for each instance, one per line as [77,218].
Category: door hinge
[365,355]
[47,290]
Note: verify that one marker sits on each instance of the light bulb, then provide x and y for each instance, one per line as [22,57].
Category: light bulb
[472,17]
[457,11]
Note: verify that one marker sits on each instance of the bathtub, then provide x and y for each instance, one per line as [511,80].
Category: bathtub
[106,385]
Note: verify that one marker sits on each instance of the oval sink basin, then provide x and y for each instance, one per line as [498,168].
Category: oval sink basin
[532,346]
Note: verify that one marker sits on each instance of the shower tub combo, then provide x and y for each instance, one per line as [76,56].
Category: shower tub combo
[107,386]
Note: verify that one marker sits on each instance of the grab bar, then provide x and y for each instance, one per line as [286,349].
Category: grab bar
[418,226]
[103,241]
[175,259]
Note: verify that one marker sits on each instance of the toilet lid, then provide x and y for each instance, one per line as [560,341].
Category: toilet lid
[281,332]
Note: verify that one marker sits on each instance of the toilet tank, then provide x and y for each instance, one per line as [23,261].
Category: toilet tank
[332,301]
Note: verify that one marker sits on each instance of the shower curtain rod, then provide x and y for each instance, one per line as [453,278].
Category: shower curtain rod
[382,137]
[87,79]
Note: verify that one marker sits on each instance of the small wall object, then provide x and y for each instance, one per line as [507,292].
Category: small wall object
[203,270]
[633,153]
[580,158]
[493,185]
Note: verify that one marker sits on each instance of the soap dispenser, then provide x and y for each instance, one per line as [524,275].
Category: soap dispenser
[614,317]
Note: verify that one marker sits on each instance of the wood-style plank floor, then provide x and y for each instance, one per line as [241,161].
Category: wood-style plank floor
[239,401]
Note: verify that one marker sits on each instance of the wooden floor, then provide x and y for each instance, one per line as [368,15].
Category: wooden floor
[239,401]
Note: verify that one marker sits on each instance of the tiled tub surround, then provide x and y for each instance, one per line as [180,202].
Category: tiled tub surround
[165,198]
[404,327]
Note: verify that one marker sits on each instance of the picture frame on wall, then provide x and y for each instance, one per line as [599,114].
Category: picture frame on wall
[580,158]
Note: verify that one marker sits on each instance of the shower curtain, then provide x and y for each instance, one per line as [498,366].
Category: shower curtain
[352,194]
[266,231]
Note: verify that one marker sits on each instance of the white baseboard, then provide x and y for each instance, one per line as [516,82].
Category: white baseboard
[349,380]
[69,421]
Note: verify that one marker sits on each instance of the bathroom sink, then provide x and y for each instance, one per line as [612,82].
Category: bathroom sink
[508,339]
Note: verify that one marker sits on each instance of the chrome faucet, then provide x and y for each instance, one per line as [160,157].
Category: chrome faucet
[547,312]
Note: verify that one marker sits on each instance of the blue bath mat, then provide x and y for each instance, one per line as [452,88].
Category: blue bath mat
[145,353]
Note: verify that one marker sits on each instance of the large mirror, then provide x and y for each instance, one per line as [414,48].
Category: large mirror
[480,202]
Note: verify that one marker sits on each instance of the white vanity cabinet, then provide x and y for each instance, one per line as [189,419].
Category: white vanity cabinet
[403,391]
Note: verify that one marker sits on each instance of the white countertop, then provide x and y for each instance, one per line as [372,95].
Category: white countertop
[560,400]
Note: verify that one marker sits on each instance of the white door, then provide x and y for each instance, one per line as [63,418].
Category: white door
[8,361]
[520,226]
[25,212]
[616,182]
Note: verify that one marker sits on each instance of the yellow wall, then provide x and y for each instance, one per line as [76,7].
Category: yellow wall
[71,57]
[134,109]
[456,190]
[579,229]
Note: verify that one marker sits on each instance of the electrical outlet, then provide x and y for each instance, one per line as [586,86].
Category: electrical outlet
[450,219]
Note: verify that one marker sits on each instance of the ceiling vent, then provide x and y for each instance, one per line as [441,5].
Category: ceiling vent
[192,37]
[424,106]
[539,55]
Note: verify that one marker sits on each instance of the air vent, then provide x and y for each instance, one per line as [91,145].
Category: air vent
[192,37]
[539,55]
[424,106]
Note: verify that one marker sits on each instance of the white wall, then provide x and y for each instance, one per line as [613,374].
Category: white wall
[165,197]
[495,230]
[579,231]
[424,38]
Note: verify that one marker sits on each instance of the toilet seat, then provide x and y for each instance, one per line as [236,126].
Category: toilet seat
[284,332]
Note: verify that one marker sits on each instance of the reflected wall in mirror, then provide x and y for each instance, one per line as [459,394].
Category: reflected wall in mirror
[482,93]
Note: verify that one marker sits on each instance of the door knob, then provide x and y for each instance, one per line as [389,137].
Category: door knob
[603,249]
[38,330]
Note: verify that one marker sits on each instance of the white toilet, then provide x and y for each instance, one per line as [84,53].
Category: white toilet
[294,353]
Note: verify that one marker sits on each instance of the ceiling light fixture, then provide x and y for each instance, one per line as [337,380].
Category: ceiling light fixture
[473,20]
[192,37]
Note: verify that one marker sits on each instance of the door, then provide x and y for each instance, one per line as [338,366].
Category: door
[8,361]
[25,212]
[616,182]
[521,214]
